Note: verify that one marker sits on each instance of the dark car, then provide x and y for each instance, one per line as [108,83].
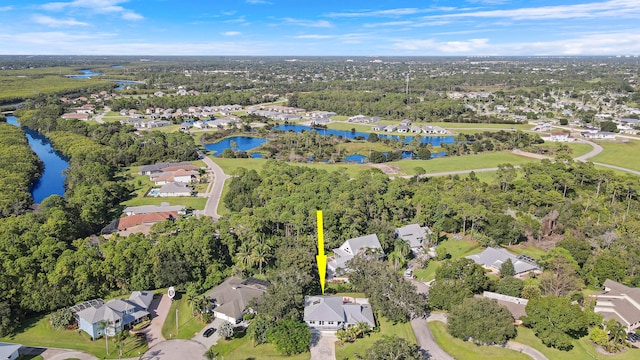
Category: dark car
[209,332]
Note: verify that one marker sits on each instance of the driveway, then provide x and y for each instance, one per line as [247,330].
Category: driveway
[219,177]
[323,346]
[211,340]
[158,309]
[175,350]
[56,354]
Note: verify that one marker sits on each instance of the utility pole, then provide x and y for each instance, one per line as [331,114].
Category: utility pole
[176,322]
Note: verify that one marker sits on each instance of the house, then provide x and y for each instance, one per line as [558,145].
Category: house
[403,129]
[492,259]
[319,121]
[619,302]
[415,129]
[148,209]
[119,314]
[356,118]
[332,313]
[515,305]
[405,122]
[174,189]
[414,235]
[159,167]
[377,128]
[139,222]
[542,127]
[558,137]
[231,298]
[351,248]
[185,126]
[9,351]
[600,135]
[390,128]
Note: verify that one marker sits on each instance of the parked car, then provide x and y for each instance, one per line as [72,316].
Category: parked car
[209,332]
[408,273]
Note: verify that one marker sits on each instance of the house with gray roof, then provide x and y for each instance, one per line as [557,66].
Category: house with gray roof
[231,298]
[619,302]
[492,259]
[119,314]
[174,189]
[9,351]
[148,209]
[332,313]
[414,235]
[349,249]
[156,168]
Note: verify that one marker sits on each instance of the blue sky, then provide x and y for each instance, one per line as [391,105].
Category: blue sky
[326,27]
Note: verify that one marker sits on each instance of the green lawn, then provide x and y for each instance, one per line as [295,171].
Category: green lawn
[348,350]
[620,154]
[466,162]
[485,127]
[348,126]
[241,348]
[188,325]
[37,332]
[463,350]
[582,348]
[363,147]
[456,248]
[526,249]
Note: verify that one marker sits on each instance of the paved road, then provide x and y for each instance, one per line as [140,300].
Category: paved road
[211,340]
[535,354]
[159,309]
[175,350]
[323,346]
[99,117]
[426,340]
[219,177]
[56,354]
[597,149]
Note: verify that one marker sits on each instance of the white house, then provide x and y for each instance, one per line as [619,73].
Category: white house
[414,235]
[333,313]
[349,249]
[621,303]
[492,259]
[558,137]
[174,189]
[9,351]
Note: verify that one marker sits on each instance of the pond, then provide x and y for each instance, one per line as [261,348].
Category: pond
[244,143]
[123,83]
[86,74]
[52,180]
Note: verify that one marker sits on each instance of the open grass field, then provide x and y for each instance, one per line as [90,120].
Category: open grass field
[455,163]
[241,348]
[38,333]
[349,350]
[30,82]
[348,126]
[363,148]
[464,350]
[620,154]
[582,348]
[526,249]
[455,248]
[188,325]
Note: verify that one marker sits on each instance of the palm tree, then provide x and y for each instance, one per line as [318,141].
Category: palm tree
[244,256]
[260,255]
[103,326]
[396,260]
[617,335]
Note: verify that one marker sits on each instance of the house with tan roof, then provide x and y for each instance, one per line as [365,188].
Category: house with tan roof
[619,302]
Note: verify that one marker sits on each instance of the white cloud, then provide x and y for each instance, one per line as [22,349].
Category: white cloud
[611,8]
[6,8]
[231,33]
[389,23]
[398,12]
[314,36]
[259,2]
[308,23]
[95,6]
[609,43]
[53,22]
[240,20]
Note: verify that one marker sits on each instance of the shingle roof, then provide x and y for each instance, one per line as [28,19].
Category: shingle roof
[147,209]
[234,294]
[7,350]
[174,188]
[412,234]
[617,302]
[355,245]
[492,257]
[333,308]
[133,220]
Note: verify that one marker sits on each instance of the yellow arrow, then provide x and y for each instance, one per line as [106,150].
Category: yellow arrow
[321,258]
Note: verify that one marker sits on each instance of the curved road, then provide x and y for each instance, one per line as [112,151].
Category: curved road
[219,177]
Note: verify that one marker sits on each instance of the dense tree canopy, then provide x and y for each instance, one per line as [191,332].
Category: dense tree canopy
[556,321]
[482,321]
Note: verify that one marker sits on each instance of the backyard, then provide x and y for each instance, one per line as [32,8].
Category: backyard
[188,325]
[455,248]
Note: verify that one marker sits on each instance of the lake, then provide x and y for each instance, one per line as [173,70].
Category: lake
[52,180]
[86,74]
[246,143]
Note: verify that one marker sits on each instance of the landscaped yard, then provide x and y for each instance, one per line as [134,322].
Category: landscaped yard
[582,348]
[620,154]
[188,325]
[463,350]
[456,248]
[241,348]
[37,332]
[348,350]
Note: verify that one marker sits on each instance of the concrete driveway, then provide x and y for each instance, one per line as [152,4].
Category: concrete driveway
[158,309]
[211,340]
[323,346]
[175,350]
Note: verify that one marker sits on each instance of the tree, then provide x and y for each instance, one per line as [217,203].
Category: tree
[104,326]
[609,126]
[617,336]
[555,321]
[226,330]
[507,269]
[510,286]
[423,153]
[392,348]
[377,157]
[290,337]
[445,294]
[466,270]
[61,318]
[7,319]
[560,276]
[482,321]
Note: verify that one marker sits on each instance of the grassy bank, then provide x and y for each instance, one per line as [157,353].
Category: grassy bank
[349,350]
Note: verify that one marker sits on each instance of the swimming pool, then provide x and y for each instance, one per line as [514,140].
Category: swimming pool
[154,192]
